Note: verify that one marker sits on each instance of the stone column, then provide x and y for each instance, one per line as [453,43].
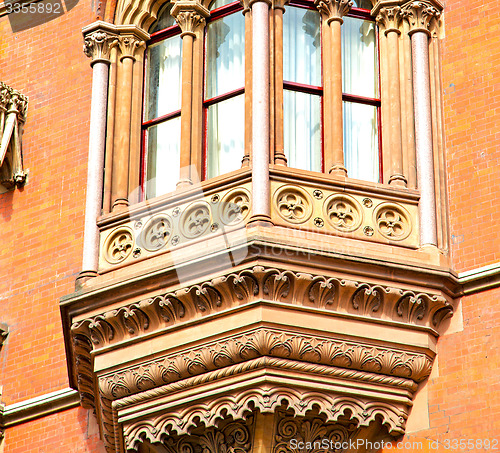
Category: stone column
[190,16]
[390,19]
[131,41]
[332,12]
[261,209]
[279,152]
[419,15]
[99,39]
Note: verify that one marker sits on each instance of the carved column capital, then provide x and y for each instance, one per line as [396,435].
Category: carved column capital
[419,15]
[98,44]
[333,10]
[389,18]
[130,46]
[190,16]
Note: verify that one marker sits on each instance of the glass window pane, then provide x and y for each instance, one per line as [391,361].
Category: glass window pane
[359,58]
[364,4]
[302,46]
[225,136]
[219,3]
[361,141]
[165,19]
[302,129]
[163,79]
[163,158]
[225,55]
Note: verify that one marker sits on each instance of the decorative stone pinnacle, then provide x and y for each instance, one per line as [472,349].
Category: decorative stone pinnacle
[333,9]
[98,44]
[419,15]
[390,19]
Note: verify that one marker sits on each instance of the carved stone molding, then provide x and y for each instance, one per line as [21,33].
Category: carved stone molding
[419,15]
[260,283]
[267,399]
[389,19]
[228,437]
[266,342]
[333,9]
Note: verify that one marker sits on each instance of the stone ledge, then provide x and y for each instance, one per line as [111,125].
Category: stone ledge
[40,406]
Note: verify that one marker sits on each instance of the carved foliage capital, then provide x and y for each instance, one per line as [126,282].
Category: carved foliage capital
[98,44]
[332,10]
[130,46]
[390,19]
[419,15]
[190,16]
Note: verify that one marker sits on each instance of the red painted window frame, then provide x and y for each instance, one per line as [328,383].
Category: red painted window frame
[218,13]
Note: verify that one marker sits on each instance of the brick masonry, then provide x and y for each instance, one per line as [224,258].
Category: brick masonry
[41,225]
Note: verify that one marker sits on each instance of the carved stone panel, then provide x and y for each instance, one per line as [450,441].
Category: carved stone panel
[336,212]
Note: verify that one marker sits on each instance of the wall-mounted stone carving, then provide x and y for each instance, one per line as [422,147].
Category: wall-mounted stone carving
[13,111]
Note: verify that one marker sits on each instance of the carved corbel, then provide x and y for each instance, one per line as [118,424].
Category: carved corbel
[419,15]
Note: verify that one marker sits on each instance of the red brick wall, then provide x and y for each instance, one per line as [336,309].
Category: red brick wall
[464,399]
[471,79]
[41,225]
[70,431]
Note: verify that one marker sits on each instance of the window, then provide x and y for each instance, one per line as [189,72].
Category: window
[224,103]
[302,84]
[361,99]
[221,96]
[161,128]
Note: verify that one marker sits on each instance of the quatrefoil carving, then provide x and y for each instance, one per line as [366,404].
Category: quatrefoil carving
[119,245]
[343,212]
[393,222]
[293,204]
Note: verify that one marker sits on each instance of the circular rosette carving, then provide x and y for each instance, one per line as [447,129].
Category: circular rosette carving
[118,245]
[235,207]
[343,212]
[392,221]
[293,204]
[157,232]
[196,220]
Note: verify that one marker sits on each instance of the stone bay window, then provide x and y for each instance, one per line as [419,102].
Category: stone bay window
[265,241]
